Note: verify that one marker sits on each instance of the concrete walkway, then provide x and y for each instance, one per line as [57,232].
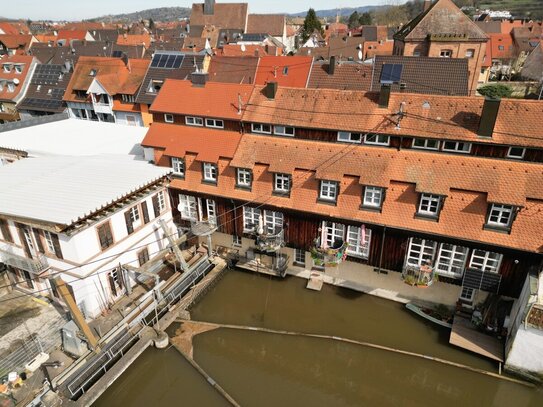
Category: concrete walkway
[360,277]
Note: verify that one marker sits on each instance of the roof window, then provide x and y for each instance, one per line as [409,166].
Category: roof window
[92,72]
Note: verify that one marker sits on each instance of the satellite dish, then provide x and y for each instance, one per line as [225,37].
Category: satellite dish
[243,47]
[360,55]
[16,81]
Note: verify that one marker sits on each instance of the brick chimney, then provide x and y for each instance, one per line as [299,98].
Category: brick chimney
[332,65]
[199,78]
[270,90]
[427,4]
[384,96]
[209,7]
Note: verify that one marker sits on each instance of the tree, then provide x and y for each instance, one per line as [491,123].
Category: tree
[391,14]
[365,19]
[311,23]
[354,20]
[496,91]
[151,25]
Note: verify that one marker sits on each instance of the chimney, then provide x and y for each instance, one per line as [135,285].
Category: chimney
[209,7]
[489,115]
[270,90]
[384,96]
[199,78]
[427,4]
[332,65]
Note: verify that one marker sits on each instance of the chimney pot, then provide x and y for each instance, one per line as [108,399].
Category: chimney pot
[384,96]
[489,115]
[271,90]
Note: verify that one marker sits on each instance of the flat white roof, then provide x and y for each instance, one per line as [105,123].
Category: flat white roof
[76,138]
[64,189]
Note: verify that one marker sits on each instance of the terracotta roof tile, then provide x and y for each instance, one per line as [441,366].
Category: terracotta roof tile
[207,144]
[233,69]
[215,99]
[287,71]
[132,39]
[21,41]
[22,77]
[272,24]
[347,76]
[432,116]
[226,15]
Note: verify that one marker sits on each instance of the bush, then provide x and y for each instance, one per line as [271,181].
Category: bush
[496,91]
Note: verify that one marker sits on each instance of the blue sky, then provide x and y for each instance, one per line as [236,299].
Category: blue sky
[79,9]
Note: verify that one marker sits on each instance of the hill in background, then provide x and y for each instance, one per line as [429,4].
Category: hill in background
[164,14]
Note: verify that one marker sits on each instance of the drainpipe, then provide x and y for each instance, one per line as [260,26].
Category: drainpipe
[382,249]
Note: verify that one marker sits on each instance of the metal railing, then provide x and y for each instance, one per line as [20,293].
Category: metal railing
[34,266]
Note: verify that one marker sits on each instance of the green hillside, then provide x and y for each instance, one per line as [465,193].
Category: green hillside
[520,8]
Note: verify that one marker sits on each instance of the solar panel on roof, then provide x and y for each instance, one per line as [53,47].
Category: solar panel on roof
[154,62]
[167,61]
[391,73]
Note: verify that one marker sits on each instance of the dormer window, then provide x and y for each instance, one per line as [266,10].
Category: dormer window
[349,137]
[329,191]
[11,87]
[285,70]
[377,139]
[283,131]
[178,166]
[281,183]
[194,121]
[7,68]
[155,86]
[210,172]
[429,205]
[261,128]
[168,118]
[92,73]
[500,216]
[18,69]
[425,144]
[373,197]
[516,153]
[244,178]
[215,123]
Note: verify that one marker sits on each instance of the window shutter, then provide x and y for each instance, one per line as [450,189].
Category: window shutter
[56,245]
[128,220]
[120,277]
[39,242]
[23,240]
[5,231]
[156,209]
[112,284]
[145,212]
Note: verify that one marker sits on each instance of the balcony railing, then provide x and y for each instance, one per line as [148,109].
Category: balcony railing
[35,266]
[329,256]
[423,275]
[103,108]
[203,228]
[270,242]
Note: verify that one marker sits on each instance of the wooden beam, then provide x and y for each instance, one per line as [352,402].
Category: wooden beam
[77,316]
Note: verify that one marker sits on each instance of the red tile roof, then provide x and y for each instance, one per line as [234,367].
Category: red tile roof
[215,99]
[235,50]
[287,71]
[111,73]
[432,116]
[13,28]
[132,39]
[272,24]
[226,15]
[233,69]
[22,77]
[69,35]
[501,46]
[207,144]
[22,41]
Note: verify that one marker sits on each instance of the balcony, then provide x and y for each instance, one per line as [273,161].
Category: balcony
[420,276]
[203,228]
[34,266]
[104,108]
[270,242]
[329,256]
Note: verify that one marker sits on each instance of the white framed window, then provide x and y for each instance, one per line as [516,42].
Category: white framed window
[273,221]
[429,205]
[11,87]
[161,201]
[187,207]
[299,257]
[470,53]
[359,241]
[18,69]
[128,98]
[215,123]
[420,251]
[251,219]
[194,121]
[516,152]
[210,172]
[500,215]
[486,261]
[236,241]
[260,128]
[283,131]
[134,214]
[467,294]
[282,183]
[373,197]
[168,118]
[7,68]
[333,234]
[211,208]
[425,144]
[349,137]
[456,147]
[451,260]
[328,191]
[377,139]
[49,241]
[178,166]
[445,53]
[244,177]
[154,86]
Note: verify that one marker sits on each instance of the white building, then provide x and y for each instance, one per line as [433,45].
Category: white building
[78,218]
